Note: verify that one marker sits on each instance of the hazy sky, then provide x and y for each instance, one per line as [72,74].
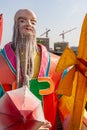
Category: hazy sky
[56,15]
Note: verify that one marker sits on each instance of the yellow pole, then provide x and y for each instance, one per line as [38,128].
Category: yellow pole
[80,100]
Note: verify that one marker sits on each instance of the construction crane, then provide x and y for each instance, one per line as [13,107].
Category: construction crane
[63,33]
[46,32]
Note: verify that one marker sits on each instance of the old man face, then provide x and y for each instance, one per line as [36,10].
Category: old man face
[24,39]
[27,26]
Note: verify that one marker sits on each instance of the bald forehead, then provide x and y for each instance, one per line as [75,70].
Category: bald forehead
[31,14]
[24,13]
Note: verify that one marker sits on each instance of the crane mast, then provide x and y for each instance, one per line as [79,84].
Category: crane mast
[63,33]
[46,33]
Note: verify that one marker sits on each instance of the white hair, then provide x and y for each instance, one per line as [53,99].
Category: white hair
[26,45]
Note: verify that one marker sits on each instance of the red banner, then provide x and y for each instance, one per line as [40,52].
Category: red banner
[1,26]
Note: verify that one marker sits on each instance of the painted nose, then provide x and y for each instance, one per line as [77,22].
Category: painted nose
[29,22]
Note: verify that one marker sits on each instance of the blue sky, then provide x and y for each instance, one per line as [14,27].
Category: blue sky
[56,15]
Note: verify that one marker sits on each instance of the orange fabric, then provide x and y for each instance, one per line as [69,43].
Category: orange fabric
[14,85]
[80,82]
[63,110]
[6,75]
[52,73]
[51,87]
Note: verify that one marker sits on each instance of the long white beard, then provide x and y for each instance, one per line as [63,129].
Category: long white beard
[25,59]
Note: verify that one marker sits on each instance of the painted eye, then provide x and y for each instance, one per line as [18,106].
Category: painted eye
[33,23]
[22,21]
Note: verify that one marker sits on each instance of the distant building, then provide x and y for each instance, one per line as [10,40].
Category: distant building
[59,47]
[44,41]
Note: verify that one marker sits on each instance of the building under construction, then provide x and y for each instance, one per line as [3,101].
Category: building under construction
[59,47]
[44,41]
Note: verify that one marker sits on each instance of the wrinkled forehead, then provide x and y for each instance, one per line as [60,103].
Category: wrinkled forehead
[24,13]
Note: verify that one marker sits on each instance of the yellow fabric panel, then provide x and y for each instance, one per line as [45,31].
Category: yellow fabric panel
[37,61]
[66,102]
[82,49]
[68,58]
[66,84]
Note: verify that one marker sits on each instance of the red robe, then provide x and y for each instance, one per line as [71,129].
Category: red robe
[48,65]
